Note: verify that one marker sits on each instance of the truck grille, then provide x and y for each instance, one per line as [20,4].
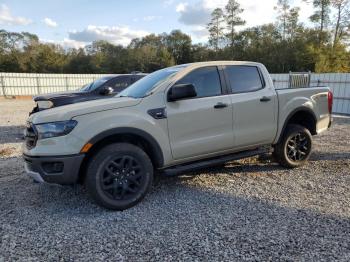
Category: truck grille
[30,136]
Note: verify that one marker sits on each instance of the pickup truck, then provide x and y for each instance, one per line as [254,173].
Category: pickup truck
[170,122]
[104,87]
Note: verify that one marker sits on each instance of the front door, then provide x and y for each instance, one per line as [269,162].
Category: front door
[203,124]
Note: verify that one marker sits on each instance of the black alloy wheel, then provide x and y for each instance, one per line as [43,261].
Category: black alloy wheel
[294,147]
[122,177]
[298,147]
[119,176]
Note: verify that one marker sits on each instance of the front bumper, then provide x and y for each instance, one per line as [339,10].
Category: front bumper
[63,170]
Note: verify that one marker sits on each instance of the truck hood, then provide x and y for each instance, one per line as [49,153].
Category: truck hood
[69,111]
[54,96]
[66,98]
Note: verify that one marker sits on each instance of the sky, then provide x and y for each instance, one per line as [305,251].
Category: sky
[75,23]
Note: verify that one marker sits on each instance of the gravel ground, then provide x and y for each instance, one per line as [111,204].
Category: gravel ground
[246,210]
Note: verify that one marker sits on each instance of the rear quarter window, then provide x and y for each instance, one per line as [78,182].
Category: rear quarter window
[244,78]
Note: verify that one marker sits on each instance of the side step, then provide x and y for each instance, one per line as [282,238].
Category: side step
[180,169]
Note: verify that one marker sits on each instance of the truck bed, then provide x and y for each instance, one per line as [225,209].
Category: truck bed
[311,99]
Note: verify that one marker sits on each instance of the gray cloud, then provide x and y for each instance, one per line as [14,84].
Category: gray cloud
[114,34]
[194,15]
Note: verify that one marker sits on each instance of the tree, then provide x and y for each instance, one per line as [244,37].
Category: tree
[216,28]
[78,62]
[233,20]
[321,17]
[342,20]
[282,9]
[179,45]
[293,22]
[153,40]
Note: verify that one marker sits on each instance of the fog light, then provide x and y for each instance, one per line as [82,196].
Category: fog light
[53,167]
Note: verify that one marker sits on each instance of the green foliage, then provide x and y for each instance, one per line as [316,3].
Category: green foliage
[216,28]
[284,46]
[233,19]
[179,46]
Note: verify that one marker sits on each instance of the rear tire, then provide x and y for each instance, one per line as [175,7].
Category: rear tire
[294,148]
[119,176]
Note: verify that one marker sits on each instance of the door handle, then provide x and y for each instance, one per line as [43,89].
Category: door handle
[220,105]
[265,99]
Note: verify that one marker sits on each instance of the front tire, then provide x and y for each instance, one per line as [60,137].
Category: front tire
[119,176]
[295,147]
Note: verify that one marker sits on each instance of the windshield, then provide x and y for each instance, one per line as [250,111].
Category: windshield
[97,83]
[144,86]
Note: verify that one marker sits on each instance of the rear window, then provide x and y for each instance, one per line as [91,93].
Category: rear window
[244,78]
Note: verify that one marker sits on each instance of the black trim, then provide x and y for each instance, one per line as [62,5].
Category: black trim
[262,79]
[156,149]
[220,105]
[30,135]
[265,99]
[195,165]
[223,80]
[69,174]
[157,113]
[291,114]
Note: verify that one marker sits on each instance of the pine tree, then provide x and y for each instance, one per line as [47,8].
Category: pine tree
[321,17]
[233,10]
[342,20]
[216,28]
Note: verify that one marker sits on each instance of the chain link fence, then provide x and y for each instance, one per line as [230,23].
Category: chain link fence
[24,84]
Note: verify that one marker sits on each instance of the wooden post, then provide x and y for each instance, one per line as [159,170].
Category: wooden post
[3,86]
[38,84]
[67,84]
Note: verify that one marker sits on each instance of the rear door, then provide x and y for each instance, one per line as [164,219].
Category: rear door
[203,124]
[254,104]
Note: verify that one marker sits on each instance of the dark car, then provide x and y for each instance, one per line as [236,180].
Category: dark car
[105,87]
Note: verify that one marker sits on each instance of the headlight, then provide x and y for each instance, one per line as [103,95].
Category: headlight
[44,104]
[54,129]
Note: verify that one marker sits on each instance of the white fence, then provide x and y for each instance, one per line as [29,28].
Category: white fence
[23,84]
[339,83]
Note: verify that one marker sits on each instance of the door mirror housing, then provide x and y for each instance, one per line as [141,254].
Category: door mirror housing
[181,91]
[106,90]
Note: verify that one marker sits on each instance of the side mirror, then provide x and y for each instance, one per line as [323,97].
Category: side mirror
[181,91]
[105,91]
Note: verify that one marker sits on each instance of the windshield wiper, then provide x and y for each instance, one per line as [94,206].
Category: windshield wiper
[125,96]
[147,94]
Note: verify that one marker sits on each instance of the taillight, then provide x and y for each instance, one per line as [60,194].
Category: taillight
[330,102]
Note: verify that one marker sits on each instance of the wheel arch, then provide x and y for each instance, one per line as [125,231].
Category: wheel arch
[303,116]
[130,135]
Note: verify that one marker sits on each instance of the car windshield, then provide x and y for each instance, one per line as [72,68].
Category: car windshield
[144,86]
[97,83]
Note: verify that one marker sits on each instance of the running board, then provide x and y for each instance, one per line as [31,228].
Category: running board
[179,169]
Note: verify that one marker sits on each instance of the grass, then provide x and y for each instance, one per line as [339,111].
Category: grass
[6,151]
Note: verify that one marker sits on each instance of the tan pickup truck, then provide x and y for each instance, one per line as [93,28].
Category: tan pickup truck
[172,121]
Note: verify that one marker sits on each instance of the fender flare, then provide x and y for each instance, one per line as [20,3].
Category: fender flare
[292,113]
[156,149]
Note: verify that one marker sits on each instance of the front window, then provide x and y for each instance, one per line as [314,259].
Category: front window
[205,80]
[97,83]
[145,86]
